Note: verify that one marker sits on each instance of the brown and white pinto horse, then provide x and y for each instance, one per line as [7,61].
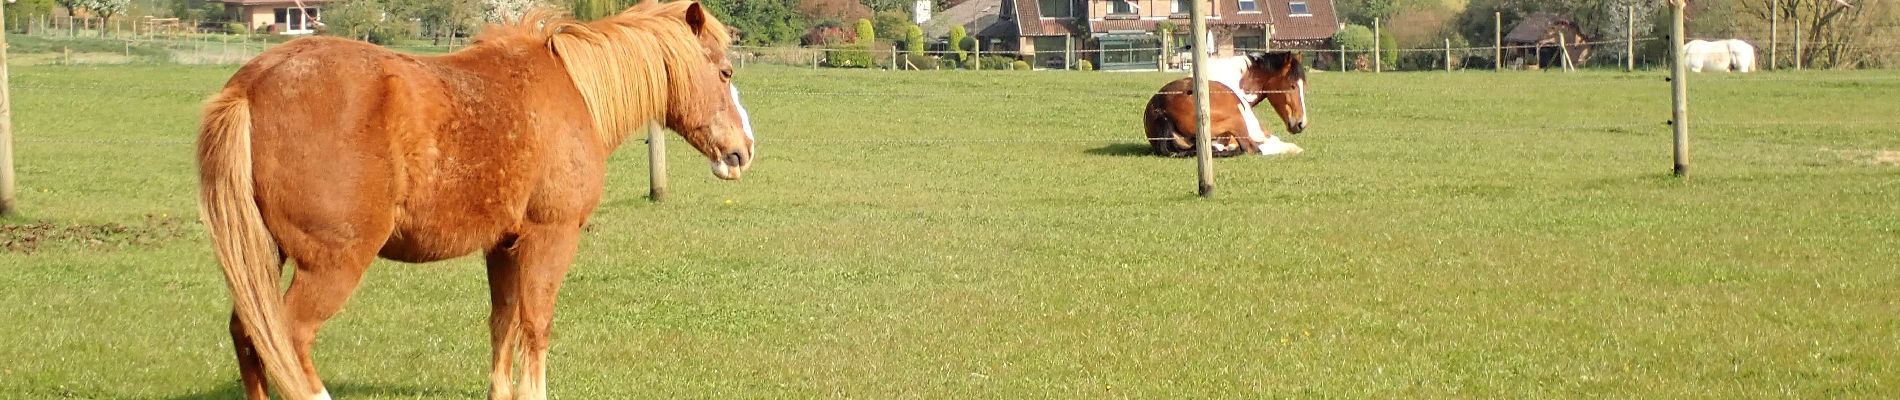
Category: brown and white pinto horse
[335,152]
[1278,77]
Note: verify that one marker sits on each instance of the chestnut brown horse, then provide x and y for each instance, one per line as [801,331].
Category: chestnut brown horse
[332,153]
[1278,77]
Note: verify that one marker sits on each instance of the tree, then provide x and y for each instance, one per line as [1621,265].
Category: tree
[866,34]
[914,40]
[957,34]
[27,10]
[105,9]
[760,22]
[890,24]
[833,10]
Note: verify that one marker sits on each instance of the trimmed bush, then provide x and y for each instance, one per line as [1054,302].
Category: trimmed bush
[1084,65]
[1020,65]
[853,55]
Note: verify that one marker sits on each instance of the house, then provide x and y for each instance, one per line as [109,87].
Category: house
[287,17]
[1533,42]
[1122,34]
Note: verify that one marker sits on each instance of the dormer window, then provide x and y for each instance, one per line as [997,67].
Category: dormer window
[1056,8]
[1298,9]
[1248,6]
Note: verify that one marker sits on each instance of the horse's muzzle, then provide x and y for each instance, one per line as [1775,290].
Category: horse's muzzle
[1296,128]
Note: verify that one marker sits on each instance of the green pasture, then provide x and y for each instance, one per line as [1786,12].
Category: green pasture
[954,235]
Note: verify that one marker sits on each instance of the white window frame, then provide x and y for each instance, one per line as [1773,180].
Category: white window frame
[1241,6]
[1302,4]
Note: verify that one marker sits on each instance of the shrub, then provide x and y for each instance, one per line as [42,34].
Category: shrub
[914,40]
[918,61]
[853,55]
[957,36]
[1388,50]
[1084,65]
[1020,65]
[866,34]
[998,62]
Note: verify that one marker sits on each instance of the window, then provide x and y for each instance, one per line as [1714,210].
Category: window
[1055,8]
[1181,6]
[296,20]
[1249,6]
[1121,7]
[1298,9]
[1250,42]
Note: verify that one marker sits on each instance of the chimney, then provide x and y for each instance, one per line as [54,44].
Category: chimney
[920,12]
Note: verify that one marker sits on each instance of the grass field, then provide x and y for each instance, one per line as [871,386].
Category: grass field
[1003,235]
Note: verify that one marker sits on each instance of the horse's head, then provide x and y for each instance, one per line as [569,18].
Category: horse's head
[1282,76]
[717,124]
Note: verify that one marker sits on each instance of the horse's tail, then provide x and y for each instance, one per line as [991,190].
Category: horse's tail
[246,250]
[1160,127]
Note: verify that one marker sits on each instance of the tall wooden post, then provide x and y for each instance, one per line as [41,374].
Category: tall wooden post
[6,125]
[656,162]
[1377,65]
[1497,41]
[976,55]
[1203,147]
[1679,87]
[1447,55]
[1629,39]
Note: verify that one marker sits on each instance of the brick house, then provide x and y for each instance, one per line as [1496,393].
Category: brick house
[1122,34]
[288,17]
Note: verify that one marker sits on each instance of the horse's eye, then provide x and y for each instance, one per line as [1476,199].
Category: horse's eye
[726,73]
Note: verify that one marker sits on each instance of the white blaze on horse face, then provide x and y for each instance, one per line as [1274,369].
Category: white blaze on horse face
[1301,84]
[324,395]
[745,120]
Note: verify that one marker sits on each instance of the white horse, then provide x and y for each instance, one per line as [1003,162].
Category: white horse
[1723,55]
[1699,54]
[1741,54]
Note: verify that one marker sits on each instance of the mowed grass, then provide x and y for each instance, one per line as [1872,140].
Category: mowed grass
[1003,235]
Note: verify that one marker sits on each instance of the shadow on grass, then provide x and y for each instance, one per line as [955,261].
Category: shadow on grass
[350,391]
[1123,150]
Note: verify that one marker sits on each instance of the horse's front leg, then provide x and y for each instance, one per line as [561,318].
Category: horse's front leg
[525,274]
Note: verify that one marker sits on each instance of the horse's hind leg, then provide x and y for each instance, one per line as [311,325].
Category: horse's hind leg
[324,281]
[530,268]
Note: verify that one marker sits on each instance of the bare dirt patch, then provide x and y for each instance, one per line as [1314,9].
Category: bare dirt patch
[30,238]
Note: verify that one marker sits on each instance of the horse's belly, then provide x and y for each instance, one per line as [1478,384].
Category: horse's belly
[423,235]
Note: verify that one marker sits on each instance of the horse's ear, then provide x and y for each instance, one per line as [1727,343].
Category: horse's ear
[696,17]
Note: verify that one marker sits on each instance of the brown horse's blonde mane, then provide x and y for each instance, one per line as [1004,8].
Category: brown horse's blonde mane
[630,67]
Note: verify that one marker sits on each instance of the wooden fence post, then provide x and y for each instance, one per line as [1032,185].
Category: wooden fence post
[6,126]
[656,163]
[1203,146]
[1377,64]
[1679,88]
[1497,41]
[1629,39]
[1447,55]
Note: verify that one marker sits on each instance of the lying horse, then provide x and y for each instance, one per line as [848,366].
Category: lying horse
[1235,86]
[332,153]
